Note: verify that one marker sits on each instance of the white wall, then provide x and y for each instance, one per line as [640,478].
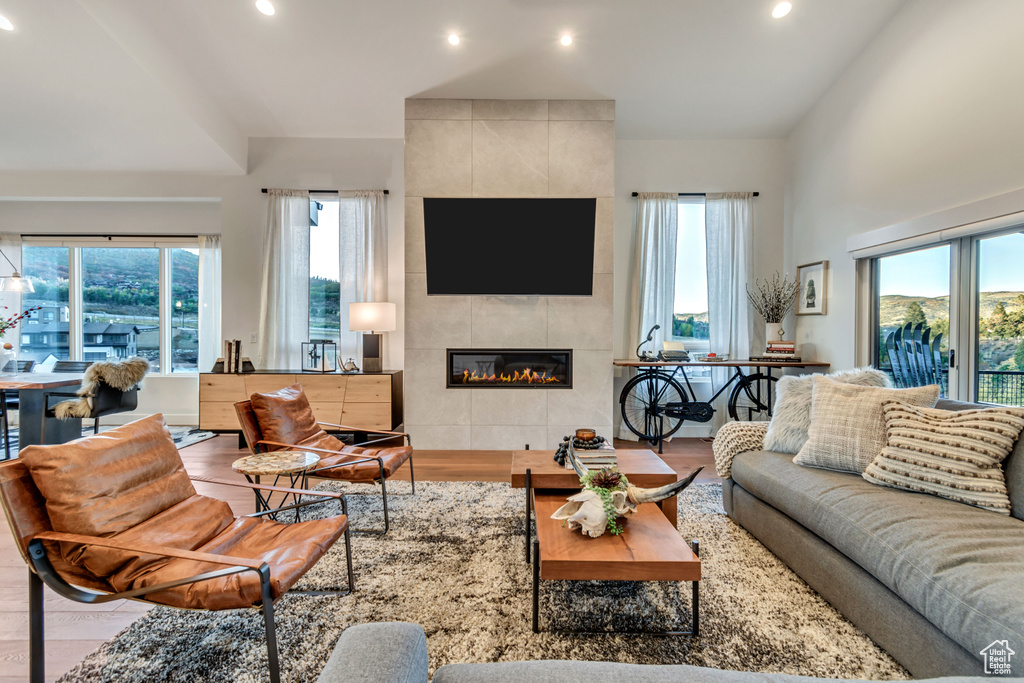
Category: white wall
[303,163]
[694,166]
[927,118]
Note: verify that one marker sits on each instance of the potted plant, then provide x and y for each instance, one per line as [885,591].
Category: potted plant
[773,299]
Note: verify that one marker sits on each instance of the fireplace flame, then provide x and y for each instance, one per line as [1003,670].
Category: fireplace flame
[526,377]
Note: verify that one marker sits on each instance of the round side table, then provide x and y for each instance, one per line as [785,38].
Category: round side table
[291,464]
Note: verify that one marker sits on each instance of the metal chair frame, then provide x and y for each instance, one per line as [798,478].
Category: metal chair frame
[41,572]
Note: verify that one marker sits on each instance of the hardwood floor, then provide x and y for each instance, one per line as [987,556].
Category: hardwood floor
[74,630]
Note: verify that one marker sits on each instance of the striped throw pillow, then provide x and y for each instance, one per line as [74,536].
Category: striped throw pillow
[955,455]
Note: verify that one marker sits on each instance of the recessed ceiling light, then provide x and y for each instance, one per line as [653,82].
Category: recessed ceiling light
[454,39]
[566,40]
[6,24]
[782,9]
[266,7]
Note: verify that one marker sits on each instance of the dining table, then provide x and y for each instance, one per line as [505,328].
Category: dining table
[31,388]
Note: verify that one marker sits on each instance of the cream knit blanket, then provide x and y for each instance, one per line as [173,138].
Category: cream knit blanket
[735,438]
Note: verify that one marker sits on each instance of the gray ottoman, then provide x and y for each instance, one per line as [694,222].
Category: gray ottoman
[387,652]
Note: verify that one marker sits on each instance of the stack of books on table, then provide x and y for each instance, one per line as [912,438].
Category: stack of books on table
[779,351]
[593,458]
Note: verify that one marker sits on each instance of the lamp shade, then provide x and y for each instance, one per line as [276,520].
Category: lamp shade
[372,317]
[16,283]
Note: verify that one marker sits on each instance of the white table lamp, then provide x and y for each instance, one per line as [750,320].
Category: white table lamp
[371,318]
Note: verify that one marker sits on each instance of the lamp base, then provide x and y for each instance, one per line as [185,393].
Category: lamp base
[372,356]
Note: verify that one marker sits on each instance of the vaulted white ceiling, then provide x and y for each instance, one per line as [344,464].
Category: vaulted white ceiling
[179,85]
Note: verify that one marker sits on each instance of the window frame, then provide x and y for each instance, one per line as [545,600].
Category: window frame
[964,295]
[165,245]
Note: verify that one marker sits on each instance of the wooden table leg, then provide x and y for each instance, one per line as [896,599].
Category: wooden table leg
[669,507]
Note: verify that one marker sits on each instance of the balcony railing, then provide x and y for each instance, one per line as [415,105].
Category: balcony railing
[1003,387]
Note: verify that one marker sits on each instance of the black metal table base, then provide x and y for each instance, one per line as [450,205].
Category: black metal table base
[695,585]
[263,498]
[528,522]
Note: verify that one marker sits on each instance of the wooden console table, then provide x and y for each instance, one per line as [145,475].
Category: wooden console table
[366,400]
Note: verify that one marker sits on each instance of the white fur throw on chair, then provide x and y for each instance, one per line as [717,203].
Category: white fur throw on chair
[122,376]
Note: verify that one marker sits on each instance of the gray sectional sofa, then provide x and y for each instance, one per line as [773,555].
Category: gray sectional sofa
[932,581]
[396,652]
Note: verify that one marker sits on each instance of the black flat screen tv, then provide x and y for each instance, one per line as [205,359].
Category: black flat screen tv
[509,247]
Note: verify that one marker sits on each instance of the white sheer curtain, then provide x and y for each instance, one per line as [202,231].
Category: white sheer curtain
[730,228]
[284,296]
[656,227]
[209,301]
[10,244]
[363,242]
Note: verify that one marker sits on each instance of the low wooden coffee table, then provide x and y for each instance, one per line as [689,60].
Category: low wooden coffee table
[650,549]
[538,470]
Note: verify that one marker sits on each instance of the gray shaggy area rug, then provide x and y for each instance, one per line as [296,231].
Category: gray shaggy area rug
[453,562]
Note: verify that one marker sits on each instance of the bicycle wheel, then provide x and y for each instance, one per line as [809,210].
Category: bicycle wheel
[753,398]
[643,402]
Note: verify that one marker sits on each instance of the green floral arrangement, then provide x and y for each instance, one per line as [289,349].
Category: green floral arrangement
[604,482]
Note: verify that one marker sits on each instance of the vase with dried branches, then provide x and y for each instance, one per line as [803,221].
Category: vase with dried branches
[773,298]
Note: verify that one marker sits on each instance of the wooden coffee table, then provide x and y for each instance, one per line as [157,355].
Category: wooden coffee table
[650,549]
[538,470]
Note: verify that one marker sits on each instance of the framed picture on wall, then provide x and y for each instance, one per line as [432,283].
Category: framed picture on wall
[813,299]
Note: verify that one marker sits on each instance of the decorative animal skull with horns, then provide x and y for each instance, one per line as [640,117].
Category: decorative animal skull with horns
[597,508]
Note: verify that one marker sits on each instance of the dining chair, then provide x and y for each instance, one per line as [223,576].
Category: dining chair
[10,400]
[72,365]
[98,397]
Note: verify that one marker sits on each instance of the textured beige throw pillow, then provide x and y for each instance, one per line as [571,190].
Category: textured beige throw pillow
[791,415]
[847,426]
[955,455]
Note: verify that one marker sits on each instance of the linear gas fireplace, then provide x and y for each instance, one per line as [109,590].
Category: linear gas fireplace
[511,368]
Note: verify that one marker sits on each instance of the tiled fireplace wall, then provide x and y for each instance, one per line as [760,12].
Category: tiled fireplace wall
[507,148]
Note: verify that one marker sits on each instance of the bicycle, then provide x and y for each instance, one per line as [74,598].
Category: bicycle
[654,404]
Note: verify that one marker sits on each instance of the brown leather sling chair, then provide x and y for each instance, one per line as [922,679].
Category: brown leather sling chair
[115,516]
[283,419]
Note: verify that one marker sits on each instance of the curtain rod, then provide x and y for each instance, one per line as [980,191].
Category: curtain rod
[264,191]
[692,194]
[111,236]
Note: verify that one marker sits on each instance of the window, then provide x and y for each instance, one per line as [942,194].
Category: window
[47,268]
[998,335]
[324,269]
[970,290]
[913,287]
[690,319]
[119,299]
[184,310]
